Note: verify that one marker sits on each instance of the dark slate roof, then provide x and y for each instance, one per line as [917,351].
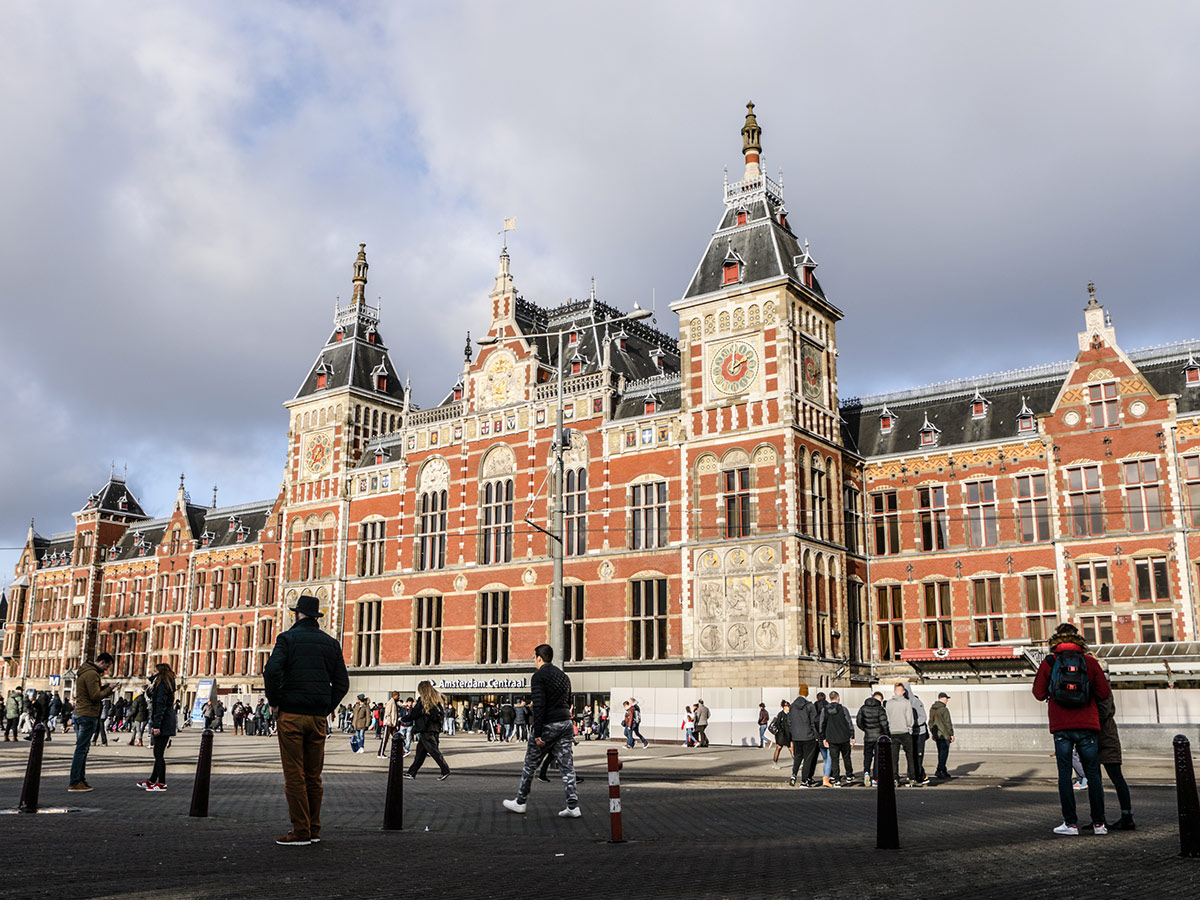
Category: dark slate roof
[948,405]
[768,249]
[352,357]
[226,524]
[665,389]
[140,540]
[108,499]
[57,548]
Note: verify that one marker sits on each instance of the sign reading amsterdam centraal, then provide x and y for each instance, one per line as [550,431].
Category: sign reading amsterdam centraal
[481,684]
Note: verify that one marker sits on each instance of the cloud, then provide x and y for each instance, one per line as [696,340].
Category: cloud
[185,189]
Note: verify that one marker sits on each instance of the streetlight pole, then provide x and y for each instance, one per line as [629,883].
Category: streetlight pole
[558,613]
[556,532]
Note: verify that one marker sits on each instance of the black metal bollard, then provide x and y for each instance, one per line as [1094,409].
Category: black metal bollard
[887,831]
[393,800]
[1189,805]
[200,787]
[33,771]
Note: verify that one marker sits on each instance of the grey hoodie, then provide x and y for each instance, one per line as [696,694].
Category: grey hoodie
[900,715]
[920,719]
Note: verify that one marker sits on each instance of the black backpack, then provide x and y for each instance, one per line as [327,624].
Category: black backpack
[1070,684]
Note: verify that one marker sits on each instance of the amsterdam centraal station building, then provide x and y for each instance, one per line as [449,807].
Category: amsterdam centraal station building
[729,519]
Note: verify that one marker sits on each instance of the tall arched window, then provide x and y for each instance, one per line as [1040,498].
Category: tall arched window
[431,530]
[497,530]
[575,512]
[820,494]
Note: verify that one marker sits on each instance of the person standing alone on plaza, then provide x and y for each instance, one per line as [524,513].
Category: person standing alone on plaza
[1071,682]
[941,729]
[428,714]
[360,718]
[89,695]
[764,719]
[701,714]
[633,718]
[552,731]
[163,725]
[305,679]
[391,719]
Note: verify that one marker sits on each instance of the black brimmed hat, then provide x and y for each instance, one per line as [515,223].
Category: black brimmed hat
[309,606]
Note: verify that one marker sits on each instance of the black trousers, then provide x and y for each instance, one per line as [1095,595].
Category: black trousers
[869,762]
[158,775]
[919,741]
[804,752]
[905,741]
[427,745]
[841,751]
[701,737]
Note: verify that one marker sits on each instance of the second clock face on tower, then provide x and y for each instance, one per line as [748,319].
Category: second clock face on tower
[733,368]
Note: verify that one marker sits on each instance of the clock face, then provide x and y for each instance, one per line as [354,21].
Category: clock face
[319,452]
[813,373]
[734,368]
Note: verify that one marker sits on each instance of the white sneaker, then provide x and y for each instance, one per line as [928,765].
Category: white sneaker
[571,812]
[1099,829]
[514,806]
[1072,830]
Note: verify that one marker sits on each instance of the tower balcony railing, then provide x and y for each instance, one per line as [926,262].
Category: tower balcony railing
[741,189]
[571,385]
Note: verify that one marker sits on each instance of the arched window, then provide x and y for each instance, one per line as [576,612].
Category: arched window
[497,528]
[575,512]
[431,530]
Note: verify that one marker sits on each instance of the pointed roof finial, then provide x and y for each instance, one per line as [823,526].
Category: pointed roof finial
[1092,304]
[751,144]
[214,503]
[593,297]
[467,348]
[360,276]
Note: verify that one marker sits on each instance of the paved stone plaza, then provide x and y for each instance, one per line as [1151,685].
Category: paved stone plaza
[714,823]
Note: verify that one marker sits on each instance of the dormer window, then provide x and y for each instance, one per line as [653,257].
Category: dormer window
[372,337]
[242,531]
[783,216]
[206,538]
[576,364]
[657,355]
[123,503]
[929,433]
[978,406]
[742,215]
[379,377]
[650,406]
[887,421]
[622,339]
[324,373]
[1191,373]
[572,338]
[1026,422]
[458,391]
[381,456]
[733,272]
[339,334]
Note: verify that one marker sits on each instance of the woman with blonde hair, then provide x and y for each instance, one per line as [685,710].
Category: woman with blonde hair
[428,716]
[163,724]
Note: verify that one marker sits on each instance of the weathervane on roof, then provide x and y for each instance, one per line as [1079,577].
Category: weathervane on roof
[510,224]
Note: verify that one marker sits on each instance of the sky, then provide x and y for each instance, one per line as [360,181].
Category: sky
[184,188]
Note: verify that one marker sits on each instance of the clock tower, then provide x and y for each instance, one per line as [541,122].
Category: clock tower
[350,397]
[766,564]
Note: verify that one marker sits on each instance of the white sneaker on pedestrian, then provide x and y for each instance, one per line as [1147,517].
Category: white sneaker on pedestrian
[572,812]
[1064,828]
[514,806]
[1100,829]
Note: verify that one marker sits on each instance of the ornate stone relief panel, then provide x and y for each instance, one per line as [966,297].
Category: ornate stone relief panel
[739,601]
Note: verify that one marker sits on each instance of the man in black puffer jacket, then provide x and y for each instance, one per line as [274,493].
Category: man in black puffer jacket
[802,725]
[305,679]
[837,733]
[872,722]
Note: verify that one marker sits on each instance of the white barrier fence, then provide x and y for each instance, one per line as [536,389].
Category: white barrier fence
[734,711]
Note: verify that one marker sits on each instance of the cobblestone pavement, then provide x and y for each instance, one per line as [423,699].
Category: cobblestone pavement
[721,823]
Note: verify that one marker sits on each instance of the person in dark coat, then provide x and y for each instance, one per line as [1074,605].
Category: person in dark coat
[781,731]
[872,722]
[428,715]
[1110,758]
[837,734]
[802,728]
[305,680]
[163,725]
[141,715]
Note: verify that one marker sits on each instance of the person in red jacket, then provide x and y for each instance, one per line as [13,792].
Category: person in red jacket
[1074,720]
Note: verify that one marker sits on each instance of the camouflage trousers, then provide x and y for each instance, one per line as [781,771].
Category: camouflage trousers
[559,738]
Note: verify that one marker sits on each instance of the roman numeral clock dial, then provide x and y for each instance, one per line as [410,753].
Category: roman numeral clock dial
[733,368]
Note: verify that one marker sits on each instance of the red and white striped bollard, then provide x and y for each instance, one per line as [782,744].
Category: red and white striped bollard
[614,796]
